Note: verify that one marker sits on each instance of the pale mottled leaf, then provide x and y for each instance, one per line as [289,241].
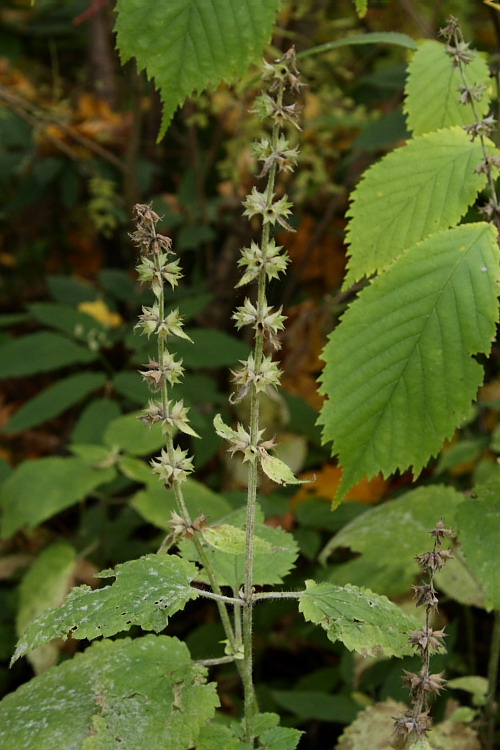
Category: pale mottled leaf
[146,592]
[131,694]
[363,621]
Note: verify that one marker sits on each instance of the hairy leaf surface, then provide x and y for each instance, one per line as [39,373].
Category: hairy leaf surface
[432,90]
[189,45]
[390,536]
[413,192]
[363,621]
[146,592]
[400,375]
[145,693]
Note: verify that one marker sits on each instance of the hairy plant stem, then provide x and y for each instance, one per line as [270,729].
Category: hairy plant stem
[491,708]
[179,496]
[249,692]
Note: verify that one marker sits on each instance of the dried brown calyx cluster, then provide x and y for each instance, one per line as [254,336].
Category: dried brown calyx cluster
[416,722]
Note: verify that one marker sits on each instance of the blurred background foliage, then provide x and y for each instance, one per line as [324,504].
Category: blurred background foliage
[77,150]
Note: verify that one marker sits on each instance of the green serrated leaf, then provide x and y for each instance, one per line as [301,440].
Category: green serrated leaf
[131,694]
[129,434]
[215,736]
[363,621]
[270,565]
[202,43]
[399,374]
[277,470]
[432,90]
[37,490]
[55,399]
[45,585]
[413,192]
[389,536]
[478,521]
[146,592]
[40,352]
[156,504]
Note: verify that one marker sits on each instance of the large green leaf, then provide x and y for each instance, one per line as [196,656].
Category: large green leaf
[55,399]
[315,705]
[37,490]
[363,621]
[414,191]
[65,318]
[432,90]
[40,352]
[478,525]
[45,585]
[189,45]
[275,554]
[390,536]
[400,373]
[145,693]
[146,592]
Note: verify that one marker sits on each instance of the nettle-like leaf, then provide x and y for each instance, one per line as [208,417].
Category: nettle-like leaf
[390,536]
[275,554]
[478,521]
[37,490]
[363,621]
[230,539]
[146,592]
[189,45]
[432,90]
[128,694]
[413,192]
[45,585]
[400,373]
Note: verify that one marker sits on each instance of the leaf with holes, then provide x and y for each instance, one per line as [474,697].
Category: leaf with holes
[413,192]
[363,621]
[189,45]
[146,592]
[432,90]
[142,693]
[400,373]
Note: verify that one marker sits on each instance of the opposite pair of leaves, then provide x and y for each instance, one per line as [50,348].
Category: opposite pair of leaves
[135,694]
[400,373]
